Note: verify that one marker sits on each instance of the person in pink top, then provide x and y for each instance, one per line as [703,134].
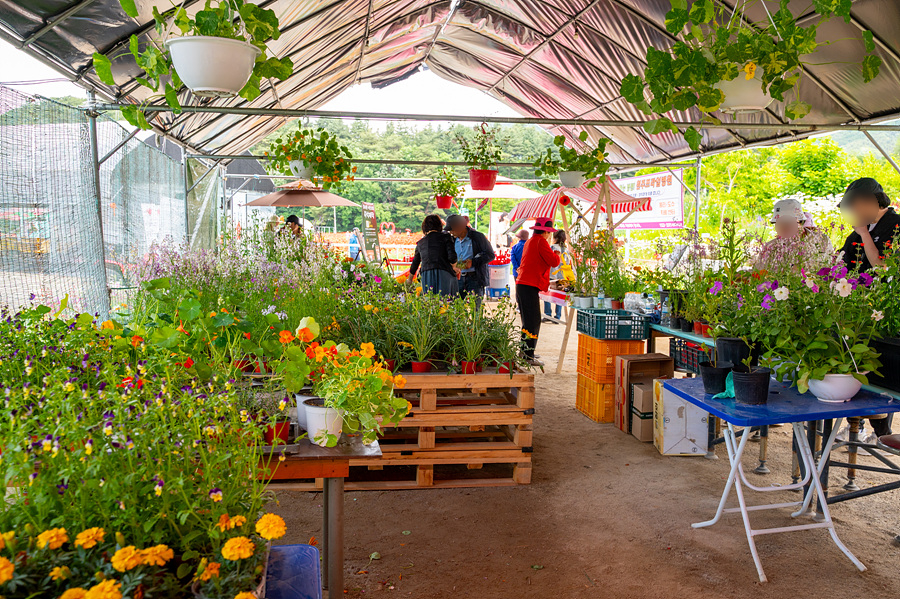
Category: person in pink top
[538,258]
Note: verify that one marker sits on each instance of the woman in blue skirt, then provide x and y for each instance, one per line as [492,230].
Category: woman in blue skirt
[436,259]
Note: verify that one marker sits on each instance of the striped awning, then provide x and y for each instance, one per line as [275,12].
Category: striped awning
[545,206]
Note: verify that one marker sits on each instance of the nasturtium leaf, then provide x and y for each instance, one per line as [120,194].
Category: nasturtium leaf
[871,65]
[632,88]
[796,110]
[188,309]
[683,99]
[103,68]
[693,138]
[129,8]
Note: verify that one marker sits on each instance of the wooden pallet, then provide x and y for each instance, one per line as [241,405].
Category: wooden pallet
[457,421]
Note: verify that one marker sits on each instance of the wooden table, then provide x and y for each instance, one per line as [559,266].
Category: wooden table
[304,459]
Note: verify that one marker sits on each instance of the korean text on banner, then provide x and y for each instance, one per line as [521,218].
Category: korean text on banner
[370,232]
[666,195]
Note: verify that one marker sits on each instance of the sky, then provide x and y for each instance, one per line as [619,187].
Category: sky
[423,93]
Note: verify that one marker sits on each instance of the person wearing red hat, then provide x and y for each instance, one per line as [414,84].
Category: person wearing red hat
[538,258]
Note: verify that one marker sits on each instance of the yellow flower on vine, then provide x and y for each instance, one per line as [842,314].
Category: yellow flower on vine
[367,350]
[750,69]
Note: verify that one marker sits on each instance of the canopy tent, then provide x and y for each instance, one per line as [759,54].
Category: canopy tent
[314,198]
[553,59]
[545,205]
[503,189]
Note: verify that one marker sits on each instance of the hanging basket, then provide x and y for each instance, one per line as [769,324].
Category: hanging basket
[213,67]
[571,179]
[303,172]
[482,179]
[444,202]
[744,95]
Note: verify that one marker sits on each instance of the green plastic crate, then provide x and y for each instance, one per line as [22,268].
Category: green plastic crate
[613,324]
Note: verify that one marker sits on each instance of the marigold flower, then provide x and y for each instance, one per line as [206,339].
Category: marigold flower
[89,538]
[157,556]
[285,337]
[53,538]
[107,325]
[245,595]
[271,526]
[238,521]
[76,593]
[127,558]
[238,548]
[207,571]
[6,570]
[108,589]
[60,573]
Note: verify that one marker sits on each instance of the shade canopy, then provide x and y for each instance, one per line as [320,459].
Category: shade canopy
[291,198]
[545,206]
[560,59]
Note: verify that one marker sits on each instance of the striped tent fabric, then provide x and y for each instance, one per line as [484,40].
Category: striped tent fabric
[545,206]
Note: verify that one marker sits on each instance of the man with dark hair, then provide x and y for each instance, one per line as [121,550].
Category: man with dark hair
[292,225]
[473,254]
[874,223]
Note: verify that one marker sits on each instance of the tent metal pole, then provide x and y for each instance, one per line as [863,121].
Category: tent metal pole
[202,177]
[697,193]
[119,146]
[95,163]
[884,152]
[387,116]
[187,193]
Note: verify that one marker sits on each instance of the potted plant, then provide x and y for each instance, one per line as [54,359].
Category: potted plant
[273,406]
[819,326]
[482,154]
[220,52]
[572,166]
[316,155]
[469,334]
[445,187]
[714,372]
[361,391]
[724,61]
[422,332]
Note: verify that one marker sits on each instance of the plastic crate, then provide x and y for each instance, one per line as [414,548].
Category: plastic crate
[613,324]
[595,400]
[597,358]
[688,355]
[497,293]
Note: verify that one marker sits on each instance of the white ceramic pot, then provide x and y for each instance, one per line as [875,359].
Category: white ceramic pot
[321,420]
[835,388]
[303,172]
[582,302]
[299,398]
[212,67]
[571,179]
[743,95]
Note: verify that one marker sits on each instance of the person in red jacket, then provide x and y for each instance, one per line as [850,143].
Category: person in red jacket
[534,276]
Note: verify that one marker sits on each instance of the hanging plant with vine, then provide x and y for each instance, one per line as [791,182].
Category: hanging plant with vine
[483,150]
[717,43]
[229,19]
[592,163]
[317,149]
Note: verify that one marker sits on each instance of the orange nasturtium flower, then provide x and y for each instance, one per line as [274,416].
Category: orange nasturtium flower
[285,337]
[137,340]
[368,350]
[306,335]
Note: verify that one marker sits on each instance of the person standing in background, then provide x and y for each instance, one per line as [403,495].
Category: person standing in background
[534,276]
[874,223]
[436,256]
[473,254]
[515,254]
[559,248]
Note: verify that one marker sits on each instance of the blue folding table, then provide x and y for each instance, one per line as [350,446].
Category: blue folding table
[785,406]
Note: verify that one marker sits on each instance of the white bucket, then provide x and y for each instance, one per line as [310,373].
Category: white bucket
[212,67]
[499,276]
[580,301]
[321,420]
[300,171]
[299,398]
[744,95]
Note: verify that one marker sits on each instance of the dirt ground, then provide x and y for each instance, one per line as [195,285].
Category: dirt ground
[604,516]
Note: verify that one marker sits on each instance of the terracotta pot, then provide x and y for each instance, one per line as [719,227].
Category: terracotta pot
[391,365]
[420,367]
[279,431]
[617,305]
[482,179]
[504,368]
[698,327]
[704,329]
[468,367]
[444,202]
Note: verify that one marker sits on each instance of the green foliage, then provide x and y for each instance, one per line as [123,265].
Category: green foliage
[230,19]
[316,149]
[483,150]
[445,183]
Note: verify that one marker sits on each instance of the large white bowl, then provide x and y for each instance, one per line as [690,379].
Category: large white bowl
[213,67]
[743,95]
[835,388]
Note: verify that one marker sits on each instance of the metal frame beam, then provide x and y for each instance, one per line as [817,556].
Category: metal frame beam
[884,152]
[119,146]
[438,162]
[53,22]
[95,163]
[387,116]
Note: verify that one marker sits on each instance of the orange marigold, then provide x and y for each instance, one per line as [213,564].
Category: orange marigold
[89,538]
[127,558]
[271,526]
[238,548]
[53,538]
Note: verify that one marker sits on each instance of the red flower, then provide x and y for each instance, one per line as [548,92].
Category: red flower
[188,363]
[136,340]
[247,335]
[564,200]
[130,380]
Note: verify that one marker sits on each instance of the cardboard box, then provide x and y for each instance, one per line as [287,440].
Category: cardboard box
[642,411]
[679,427]
[632,369]
[642,426]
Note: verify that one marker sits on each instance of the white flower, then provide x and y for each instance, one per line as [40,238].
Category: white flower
[281,315]
[810,283]
[269,310]
[781,293]
[877,315]
[843,288]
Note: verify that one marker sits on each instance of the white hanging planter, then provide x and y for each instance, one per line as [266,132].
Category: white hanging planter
[213,67]
[744,95]
[303,172]
[835,388]
[571,179]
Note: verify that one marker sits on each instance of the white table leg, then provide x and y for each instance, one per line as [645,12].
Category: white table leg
[735,458]
[826,452]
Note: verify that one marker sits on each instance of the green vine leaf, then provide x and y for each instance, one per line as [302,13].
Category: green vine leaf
[870,67]
[693,138]
[632,89]
[103,68]
[172,99]
[207,22]
[135,117]
[129,8]
[660,125]
[703,11]
[869,41]
[796,110]
[676,19]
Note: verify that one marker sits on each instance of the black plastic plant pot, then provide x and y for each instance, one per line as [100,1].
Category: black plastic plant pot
[752,388]
[714,377]
[889,376]
[686,326]
[736,351]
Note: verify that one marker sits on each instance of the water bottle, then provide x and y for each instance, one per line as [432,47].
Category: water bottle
[664,318]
